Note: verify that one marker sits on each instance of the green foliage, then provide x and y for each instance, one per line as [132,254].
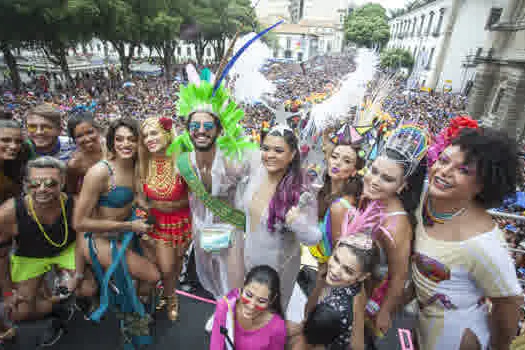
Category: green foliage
[396,58]
[367,26]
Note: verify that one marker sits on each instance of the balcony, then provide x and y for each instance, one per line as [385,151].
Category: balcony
[508,26]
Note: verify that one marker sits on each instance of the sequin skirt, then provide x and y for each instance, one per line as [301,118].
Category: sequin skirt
[172,228]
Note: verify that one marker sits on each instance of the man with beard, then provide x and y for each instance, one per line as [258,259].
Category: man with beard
[44,126]
[40,224]
[216,171]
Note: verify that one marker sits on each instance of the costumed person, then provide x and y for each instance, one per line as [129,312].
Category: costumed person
[164,196]
[320,329]
[340,191]
[395,178]
[252,317]
[105,212]
[44,126]
[13,158]
[351,264]
[460,259]
[40,225]
[215,170]
[280,209]
[83,129]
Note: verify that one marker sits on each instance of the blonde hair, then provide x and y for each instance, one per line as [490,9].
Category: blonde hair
[144,154]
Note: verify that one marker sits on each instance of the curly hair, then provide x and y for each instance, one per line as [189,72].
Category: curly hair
[129,123]
[497,165]
[76,119]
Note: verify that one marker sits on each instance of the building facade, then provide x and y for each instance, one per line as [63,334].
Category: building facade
[498,95]
[444,37]
[268,11]
[333,11]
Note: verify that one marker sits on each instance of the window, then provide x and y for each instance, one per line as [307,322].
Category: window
[414,27]
[188,51]
[494,17]
[300,56]
[179,51]
[288,54]
[430,57]
[329,46]
[440,22]
[420,31]
[430,20]
[288,43]
[496,104]
[208,51]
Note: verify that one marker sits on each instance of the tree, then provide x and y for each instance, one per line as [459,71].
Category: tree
[163,31]
[394,59]
[368,26]
[220,20]
[124,24]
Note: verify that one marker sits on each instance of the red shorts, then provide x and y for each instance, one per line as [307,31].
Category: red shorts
[173,228]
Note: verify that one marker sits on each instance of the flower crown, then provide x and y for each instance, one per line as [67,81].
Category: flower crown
[445,137]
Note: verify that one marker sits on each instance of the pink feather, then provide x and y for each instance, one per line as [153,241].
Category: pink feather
[368,221]
[193,75]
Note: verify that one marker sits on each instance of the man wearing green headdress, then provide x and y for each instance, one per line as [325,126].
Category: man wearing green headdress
[215,158]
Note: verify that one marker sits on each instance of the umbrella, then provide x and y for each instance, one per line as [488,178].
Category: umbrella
[128,84]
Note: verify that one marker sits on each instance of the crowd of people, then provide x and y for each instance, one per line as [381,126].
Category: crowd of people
[113,204]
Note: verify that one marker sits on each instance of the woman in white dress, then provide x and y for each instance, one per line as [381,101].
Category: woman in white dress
[460,261]
[281,211]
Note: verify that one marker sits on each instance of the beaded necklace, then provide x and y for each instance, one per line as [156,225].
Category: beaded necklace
[33,214]
[161,180]
[430,217]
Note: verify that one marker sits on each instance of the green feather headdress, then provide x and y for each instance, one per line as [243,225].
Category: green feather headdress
[204,93]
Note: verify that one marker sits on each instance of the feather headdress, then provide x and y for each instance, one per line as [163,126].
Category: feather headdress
[206,93]
[360,226]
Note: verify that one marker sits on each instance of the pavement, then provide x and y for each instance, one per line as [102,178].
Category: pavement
[186,333]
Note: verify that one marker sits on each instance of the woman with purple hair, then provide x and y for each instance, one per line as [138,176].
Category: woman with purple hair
[280,209]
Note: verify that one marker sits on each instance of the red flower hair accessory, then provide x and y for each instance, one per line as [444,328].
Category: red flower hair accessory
[445,137]
[166,123]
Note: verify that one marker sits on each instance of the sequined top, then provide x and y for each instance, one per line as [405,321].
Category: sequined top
[342,299]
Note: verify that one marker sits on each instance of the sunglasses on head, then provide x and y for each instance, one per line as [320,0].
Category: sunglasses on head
[208,126]
[48,183]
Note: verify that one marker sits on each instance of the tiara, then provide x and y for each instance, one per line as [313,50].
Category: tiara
[280,129]
[411,142]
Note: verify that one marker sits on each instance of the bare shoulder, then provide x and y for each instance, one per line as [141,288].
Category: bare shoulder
[8,214]
[97,172]
[75,161]
[399,227]
[340,207]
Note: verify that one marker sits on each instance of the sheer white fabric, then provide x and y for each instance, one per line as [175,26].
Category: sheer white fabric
[218,272]
[280,249]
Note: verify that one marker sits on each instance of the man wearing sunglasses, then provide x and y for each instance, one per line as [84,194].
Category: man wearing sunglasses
[44,126]
[40,224]
[219,177]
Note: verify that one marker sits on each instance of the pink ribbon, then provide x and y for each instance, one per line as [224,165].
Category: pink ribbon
[192,296]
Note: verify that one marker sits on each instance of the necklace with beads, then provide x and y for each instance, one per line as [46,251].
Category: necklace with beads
[431,217]
[41,228]
[161,180]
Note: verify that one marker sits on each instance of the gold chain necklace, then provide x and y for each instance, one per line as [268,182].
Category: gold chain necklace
[33,214]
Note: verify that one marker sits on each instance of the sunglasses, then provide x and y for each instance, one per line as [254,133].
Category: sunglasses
[195,126]
[34,128]
[48,183]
